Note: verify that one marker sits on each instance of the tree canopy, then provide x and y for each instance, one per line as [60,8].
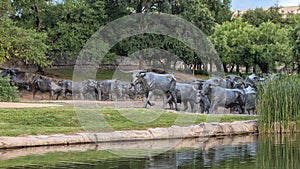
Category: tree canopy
[242,44]
[259,15]
[39,32]
[19,44]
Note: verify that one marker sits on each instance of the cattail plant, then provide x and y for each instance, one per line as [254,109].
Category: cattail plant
[278,105]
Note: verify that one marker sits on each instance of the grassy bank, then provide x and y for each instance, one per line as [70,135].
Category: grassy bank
[102,74]
[32,121]
[278,105]
[67,73]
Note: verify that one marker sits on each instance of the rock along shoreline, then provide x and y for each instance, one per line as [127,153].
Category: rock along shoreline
[174,132]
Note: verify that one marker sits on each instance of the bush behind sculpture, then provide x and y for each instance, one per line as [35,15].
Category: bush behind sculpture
[8,93]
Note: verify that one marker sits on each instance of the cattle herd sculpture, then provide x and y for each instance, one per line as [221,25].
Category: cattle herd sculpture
[203,96]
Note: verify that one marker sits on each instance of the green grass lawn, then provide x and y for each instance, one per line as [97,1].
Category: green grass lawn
[33,121]
[67,73]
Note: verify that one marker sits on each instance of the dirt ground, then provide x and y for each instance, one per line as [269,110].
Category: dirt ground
[42,100]
[26,105]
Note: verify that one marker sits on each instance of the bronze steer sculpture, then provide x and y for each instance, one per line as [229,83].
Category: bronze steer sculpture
[186,94]
[43,86]
[153,82]
[80,90]
[14,80]
[223,97]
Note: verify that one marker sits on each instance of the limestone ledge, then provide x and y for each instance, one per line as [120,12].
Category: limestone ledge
[174,132]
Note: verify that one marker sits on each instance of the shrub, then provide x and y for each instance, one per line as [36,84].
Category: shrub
[278,104]
[8,93]
[201,72]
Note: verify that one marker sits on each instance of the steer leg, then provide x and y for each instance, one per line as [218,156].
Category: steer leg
[212,108]
[51,95]
[173,95]
[58,94]
[34,93]
[42,95]
[99,95]
[185,105]
[193,105]
[148,100]
[65,94]
[81,96]
[165,100]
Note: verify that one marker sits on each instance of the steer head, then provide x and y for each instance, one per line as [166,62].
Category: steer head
[138,78]
[205,89]
[231,80]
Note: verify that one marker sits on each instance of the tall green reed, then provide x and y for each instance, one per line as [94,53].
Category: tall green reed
[278,105]
[278,151]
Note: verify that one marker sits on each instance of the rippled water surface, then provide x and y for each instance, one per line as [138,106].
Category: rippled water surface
[266,152]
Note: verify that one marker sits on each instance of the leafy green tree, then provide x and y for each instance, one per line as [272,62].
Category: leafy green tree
[220,9]
[29,14]
[116,9]
[294,21]
[76,23]
[271,45]
[232,42]
[19,44]
[5,8]
[197,13]
[241,44]
[259,15]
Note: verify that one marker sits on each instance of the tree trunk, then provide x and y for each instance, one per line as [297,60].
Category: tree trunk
[231,69]
[264,67]
[225,68]
[204,67]
[237,68]
[38,20]
[40,70]
[247,68]
[193,69]
[139,6]
[141,64]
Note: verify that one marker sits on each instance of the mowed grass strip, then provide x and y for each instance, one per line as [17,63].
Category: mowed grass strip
[50,120]
[101,74]
[24,121]
[67,73]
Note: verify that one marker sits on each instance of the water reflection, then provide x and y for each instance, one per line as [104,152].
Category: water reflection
[279,151]
[267,152]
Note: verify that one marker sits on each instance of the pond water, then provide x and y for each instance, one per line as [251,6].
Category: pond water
[251,151]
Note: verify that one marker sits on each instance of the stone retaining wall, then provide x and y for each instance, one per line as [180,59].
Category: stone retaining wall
[201,130]
[153,146]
